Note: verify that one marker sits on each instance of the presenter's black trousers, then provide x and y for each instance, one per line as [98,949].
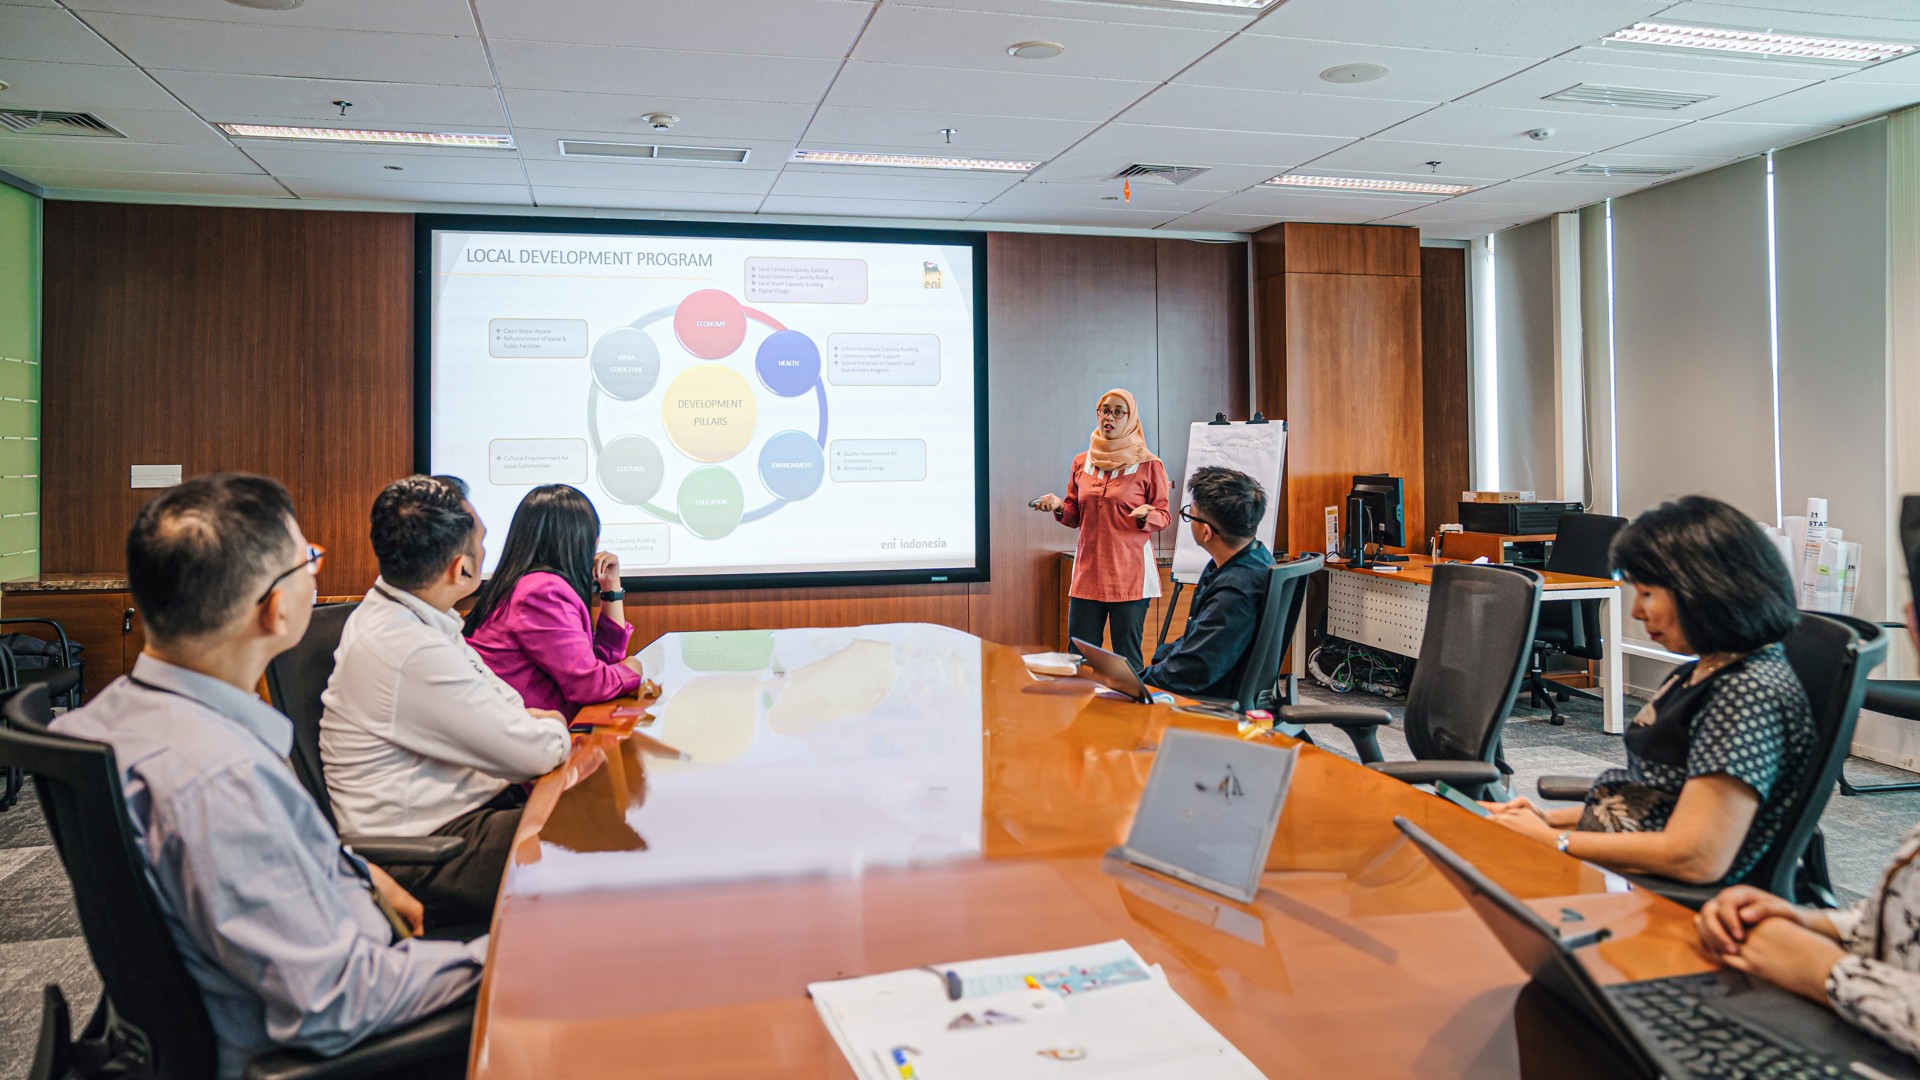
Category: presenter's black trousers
[1089,620]
[459,893]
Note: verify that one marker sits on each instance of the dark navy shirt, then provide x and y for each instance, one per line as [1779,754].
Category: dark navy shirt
[1209,659]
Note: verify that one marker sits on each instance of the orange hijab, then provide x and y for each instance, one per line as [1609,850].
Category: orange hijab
[1127,447]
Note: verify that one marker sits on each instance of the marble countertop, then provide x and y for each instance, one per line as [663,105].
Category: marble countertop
[46,583]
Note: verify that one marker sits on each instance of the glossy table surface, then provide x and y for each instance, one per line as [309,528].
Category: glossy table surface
[1419,570]
[869,799]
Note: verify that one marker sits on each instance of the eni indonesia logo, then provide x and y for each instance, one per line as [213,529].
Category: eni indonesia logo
[930,275]
[1228,788]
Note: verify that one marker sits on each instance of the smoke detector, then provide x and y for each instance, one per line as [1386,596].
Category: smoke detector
[660,121]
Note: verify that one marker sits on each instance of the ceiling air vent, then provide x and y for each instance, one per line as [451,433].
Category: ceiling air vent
[1625,170]
[1628,97]
[1159,174]
[650,152]
[43,122]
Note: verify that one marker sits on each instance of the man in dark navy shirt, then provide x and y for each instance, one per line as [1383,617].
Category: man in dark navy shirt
[1224,511]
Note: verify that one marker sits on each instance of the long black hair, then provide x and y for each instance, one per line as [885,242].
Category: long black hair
[554,529]
[1731,591]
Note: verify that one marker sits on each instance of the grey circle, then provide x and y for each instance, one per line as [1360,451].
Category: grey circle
[626,363]
[631,469]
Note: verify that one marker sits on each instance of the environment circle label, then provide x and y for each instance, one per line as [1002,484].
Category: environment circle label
[710,324]
[792,466]
[789,363]
[711,502]
[631,469]
[626,363]
[709,412]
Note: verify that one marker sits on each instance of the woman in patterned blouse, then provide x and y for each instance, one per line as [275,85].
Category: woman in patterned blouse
[1724,732]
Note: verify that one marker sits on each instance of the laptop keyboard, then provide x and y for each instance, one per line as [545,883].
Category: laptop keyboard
[1679,1015]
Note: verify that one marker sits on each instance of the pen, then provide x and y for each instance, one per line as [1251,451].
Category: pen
[900,1062]
[1033,983]
[951,979]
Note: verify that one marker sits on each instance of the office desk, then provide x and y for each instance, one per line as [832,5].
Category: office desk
[1389,611]
[870,799]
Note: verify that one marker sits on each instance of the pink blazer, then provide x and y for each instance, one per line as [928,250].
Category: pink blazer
[544,643]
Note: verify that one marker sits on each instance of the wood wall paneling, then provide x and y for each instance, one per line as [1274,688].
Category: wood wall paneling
[1201,316]
[1443,376]
[1300,247]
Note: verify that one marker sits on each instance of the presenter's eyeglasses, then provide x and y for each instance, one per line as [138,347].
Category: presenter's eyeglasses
[316,558]
[1113,412]
[1187,514]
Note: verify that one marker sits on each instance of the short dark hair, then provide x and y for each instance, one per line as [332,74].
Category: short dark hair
[200,552]
[1731,591]
[419,524]
[1230,500]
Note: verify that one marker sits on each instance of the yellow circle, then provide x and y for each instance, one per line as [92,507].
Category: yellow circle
[709,412]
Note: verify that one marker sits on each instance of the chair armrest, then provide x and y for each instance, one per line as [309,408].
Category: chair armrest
[1468,776]
[1895,697]
[1338,715]
[1565,788]
[66,653]
[1693,896]
[406,850]
[439,1039]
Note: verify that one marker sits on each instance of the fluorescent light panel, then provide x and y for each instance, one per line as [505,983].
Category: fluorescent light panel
[360,135]
[1360,183]
[1760,43]
[910,161]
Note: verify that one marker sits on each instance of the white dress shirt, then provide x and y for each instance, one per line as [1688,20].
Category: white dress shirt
[417,731]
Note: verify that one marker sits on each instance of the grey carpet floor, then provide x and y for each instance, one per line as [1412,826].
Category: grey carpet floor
[40,935]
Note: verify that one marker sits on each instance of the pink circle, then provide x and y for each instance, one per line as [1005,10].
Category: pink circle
[710,324]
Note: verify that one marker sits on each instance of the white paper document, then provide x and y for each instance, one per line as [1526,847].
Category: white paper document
[1100,1007]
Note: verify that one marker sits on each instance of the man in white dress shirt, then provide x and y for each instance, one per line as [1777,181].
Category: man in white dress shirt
[418,736]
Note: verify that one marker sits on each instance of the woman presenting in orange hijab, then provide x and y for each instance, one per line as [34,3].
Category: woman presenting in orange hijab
[1117,498]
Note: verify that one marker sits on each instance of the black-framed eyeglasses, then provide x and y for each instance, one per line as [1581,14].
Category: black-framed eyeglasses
[316,558]
[1187,514]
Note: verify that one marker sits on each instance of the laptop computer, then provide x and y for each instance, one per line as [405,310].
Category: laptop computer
[1716,1024]
[1209,810]
[1111,670]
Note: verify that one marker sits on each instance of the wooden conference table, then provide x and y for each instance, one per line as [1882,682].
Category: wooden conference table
[869,799]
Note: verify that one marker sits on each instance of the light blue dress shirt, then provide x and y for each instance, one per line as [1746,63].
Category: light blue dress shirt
[269,912]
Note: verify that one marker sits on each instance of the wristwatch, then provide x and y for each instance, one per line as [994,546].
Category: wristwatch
[1563,840]
[613,594]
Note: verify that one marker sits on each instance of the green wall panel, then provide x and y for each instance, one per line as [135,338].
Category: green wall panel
[19,384]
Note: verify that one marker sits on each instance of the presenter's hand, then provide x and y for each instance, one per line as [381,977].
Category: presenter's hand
[410,910]
[606,571]
[1139,513]
[1048,503]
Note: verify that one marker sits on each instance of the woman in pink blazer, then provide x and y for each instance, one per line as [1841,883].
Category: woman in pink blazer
[530,621]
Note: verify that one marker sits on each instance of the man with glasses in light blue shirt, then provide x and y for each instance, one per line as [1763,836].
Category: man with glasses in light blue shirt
[293,939]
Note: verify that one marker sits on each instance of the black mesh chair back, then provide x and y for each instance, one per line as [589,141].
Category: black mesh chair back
[295,680]
[1480,624]
[1286,594]
[141,973]
[1580,546]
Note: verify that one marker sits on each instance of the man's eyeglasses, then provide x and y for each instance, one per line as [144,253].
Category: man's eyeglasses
[316,558]
[1187,514]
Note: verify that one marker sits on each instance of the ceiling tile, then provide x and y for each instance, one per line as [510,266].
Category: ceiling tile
[1905,71]
[375,104]
[1529,89]
[173,183]
[1845,23]
[1550,196]
[1099,169]
[1180,105]
[999,136]
[944,38]
[1267,63]
[410,17]
[116,155]
[1505,27]
[543,144]
[906,184]
[896,208]
[81,86]
[1778,10]
[1411,159]
[1471,125]
[1463,231]
[545,65]
[1692,164]
[699,118]
[315,187]
[442,168]
[903,86]
[1714,138]
[630,199]
[1288,205]
[255,49]
[1108,196]
[1701,61]
[1829,104]
[1102,11]
[1116,146]
[1453,211]
[173,127]
[1212,221]
[642,176]
[1092,219]
[821,28]
[53,36]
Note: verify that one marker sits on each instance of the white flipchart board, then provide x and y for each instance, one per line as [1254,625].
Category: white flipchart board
[1260,451]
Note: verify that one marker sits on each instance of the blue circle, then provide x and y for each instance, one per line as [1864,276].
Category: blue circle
[788,362]
[792,465]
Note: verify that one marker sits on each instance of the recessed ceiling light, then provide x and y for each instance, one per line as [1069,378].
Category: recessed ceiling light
[1761,43]
[1351,73]
[357,135]
[268,5]
[1036,50]
[910,161]
[1362,183]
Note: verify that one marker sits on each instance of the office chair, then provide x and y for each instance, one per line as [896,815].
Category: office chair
[295,680]
[150,1008]
[1831,654]
[62,681]
[1480,621]
[1898,698]
[1279,615]
[1572,627]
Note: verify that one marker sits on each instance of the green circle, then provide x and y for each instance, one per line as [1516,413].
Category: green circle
[711,502]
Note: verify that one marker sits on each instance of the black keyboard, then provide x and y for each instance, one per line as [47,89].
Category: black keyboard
[1679,1014]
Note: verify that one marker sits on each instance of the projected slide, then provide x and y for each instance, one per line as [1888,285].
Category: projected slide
[732,406]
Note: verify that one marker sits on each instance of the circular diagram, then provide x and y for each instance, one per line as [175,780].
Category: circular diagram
[709,412]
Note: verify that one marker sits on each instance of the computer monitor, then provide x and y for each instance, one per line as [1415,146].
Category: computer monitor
[1384,516]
